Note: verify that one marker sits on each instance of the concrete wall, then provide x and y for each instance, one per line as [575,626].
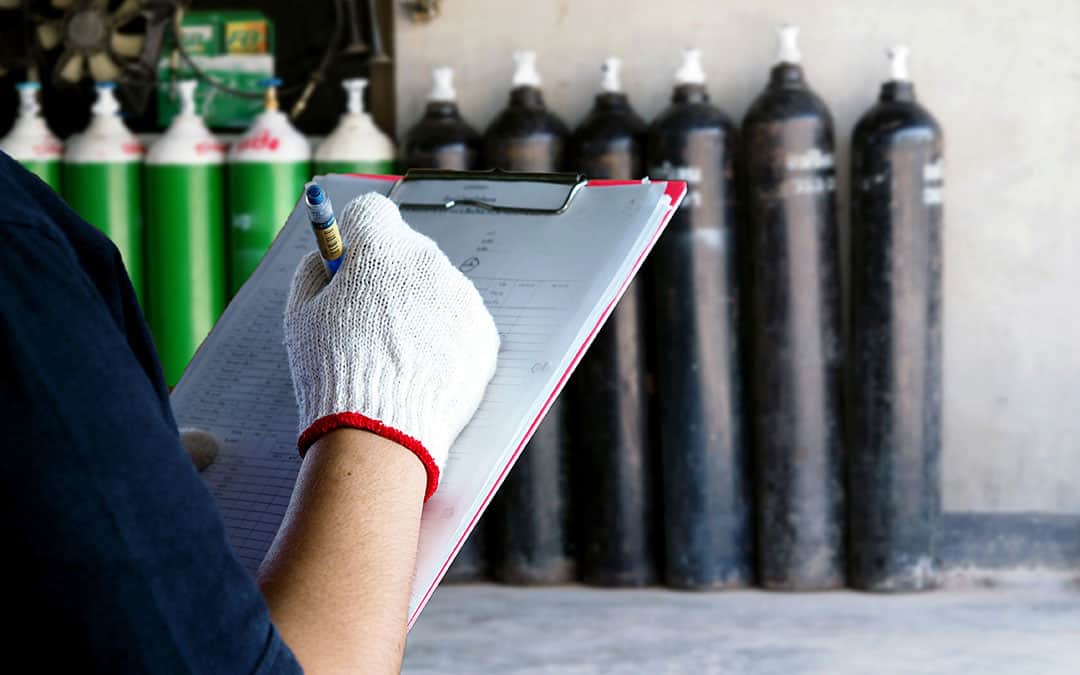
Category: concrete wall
[1004,80]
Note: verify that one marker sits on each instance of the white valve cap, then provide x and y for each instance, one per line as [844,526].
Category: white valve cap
[106,103]
[525,73]
[186,90]
[442,89]
[788,44]
[610,75]
[898,68]
[28,98]
[690,72]
[354,88]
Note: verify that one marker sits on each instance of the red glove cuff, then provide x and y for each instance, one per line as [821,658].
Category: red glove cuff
[353,420]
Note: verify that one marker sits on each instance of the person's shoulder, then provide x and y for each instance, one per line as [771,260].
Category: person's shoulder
[28,237]
[36,216]
[20,198]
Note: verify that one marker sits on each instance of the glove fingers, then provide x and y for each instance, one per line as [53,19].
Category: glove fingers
[367,217]
[310,278]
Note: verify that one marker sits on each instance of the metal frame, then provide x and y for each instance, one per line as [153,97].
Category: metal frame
[574,182]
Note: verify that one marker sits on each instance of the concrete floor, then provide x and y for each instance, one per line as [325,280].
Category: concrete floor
[1031,628]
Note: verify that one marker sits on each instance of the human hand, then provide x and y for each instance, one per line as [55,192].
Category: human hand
[398,342]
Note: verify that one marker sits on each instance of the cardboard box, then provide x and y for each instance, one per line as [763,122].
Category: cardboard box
[235,48]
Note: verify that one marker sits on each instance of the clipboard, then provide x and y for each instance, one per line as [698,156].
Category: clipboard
[551,255]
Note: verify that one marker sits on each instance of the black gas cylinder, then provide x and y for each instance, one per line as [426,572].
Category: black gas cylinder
[441,139]
[614,458]
[706,496]
[795,334]
[894,478]
[529,519]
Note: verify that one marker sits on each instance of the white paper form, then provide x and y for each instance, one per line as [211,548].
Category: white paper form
[549,282]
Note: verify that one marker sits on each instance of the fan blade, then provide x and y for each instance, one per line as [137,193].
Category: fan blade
[126,45]
[126,7]
[10,4]
[70,68]
[48,34]
[102,67]
[62,4]
[99,4]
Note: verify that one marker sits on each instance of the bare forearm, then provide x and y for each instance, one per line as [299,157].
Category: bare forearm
[338,575]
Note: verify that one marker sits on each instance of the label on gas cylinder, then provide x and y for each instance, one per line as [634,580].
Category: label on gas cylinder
[934,182]
[810,172]
[691,175]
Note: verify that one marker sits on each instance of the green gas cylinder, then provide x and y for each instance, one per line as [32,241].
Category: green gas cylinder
[185,235]
[355,145]
[267,169]
[100,179]
[30,141]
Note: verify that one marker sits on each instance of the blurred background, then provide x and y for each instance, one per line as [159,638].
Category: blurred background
[1001,80]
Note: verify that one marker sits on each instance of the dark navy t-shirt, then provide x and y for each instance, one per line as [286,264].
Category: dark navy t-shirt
[115,555]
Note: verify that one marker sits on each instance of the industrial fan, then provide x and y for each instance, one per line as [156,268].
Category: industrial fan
[115,40]
[13,51]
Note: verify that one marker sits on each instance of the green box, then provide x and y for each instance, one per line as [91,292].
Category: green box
[234,48]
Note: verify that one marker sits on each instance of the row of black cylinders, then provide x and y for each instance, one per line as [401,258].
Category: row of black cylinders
[702,441]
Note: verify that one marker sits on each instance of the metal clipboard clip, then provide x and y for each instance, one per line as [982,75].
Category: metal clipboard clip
[573,182]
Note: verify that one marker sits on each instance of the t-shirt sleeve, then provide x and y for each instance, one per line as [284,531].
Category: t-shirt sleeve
[117,553]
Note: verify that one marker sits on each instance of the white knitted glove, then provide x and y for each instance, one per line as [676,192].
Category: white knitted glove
[398,342]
